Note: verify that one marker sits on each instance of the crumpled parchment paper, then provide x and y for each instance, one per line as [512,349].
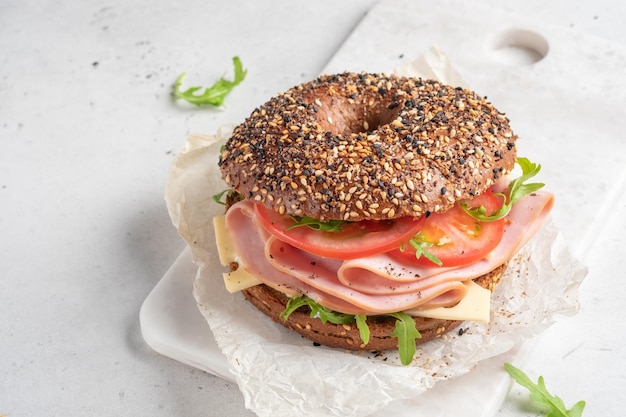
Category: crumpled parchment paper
[282,374]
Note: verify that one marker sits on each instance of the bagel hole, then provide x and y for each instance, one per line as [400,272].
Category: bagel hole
[348,117]
[519,47]
[377,118]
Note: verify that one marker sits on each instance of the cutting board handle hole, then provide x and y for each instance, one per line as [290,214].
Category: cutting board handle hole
[519,47]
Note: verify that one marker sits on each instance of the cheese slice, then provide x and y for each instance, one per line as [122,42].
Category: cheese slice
[225,246]
[239,279]
[475,306]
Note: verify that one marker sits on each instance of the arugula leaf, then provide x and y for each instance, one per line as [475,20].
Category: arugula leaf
[539,394]
[364,330]
[323,313]
[213,95]
[218,197]
[406,332]
[333,226]
[292,305]
[517,190]
[419,243]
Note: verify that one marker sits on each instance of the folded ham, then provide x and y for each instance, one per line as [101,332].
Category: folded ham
[376,284]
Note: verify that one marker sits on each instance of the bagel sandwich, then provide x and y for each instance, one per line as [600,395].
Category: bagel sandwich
[374,212]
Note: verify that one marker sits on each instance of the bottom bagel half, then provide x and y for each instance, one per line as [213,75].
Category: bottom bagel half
[347,336]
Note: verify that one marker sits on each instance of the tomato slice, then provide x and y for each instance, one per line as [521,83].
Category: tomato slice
[455,237]
[355,240]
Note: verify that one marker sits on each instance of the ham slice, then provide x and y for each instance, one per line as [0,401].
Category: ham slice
[250,239]
[377,284]
[323,275]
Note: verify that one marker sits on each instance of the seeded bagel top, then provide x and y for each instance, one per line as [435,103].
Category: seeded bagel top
[356,146]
